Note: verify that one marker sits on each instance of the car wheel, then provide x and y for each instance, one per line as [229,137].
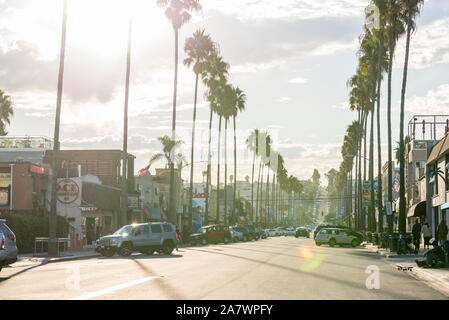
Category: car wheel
[332,242]
[354,243]
[167,247]
[204,242]
[125,250]
[108,252]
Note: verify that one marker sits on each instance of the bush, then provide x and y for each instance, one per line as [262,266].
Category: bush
[28,226]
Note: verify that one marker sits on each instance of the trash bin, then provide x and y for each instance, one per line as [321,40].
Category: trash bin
[394,242]
[385,241]
[375,238]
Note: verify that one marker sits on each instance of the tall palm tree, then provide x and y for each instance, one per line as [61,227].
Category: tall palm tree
[395,28]
[252,143]
[412,9]
[213,75]
[124,195]
[52,248]
[178,12]
[6,111]
[238,106]
[198,48]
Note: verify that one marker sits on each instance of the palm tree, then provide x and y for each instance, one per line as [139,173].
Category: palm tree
[168,147]
[214,74]
[395,28]
[412,9]
[6,112]
[178,12]
[252,143]
[239,106]
[198,48]
[52,221]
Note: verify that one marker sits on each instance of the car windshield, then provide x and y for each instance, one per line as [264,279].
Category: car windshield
[124,231]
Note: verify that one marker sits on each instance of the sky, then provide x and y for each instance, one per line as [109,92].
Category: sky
[292,58]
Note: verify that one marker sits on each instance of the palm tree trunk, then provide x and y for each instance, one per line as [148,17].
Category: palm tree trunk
[273,192]
[192,151]
[235,170]
[267,197]
[218,172]
[257,193]
[390,153]
[252,188]
[52,248]
[226,173]
[172,214]
[371,171]
[208,179]
[379,160]
[402,217]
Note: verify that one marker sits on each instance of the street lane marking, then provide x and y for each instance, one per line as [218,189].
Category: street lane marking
[112,289]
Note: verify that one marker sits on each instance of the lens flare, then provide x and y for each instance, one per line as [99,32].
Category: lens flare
[311,260]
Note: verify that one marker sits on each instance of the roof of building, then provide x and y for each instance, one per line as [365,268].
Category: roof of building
[439,149]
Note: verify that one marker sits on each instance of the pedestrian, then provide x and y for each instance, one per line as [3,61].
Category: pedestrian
[177,237]
[442,231]
[427,234]
[416,232]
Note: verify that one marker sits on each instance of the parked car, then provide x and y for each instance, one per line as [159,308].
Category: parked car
[355,233]
[236,235]
[336,236]
[262,233]
[145,238]
[245,231]
[281,231]
[273,232]
[213,234]
[289,231]
[199,237]
[252,231]
[8,247]
[302,232]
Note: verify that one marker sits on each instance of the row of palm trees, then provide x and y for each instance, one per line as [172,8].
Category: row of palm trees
[225,100]
[375,58]
[284,187]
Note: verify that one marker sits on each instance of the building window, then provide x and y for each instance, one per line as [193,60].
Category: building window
[5,184]
[435,183]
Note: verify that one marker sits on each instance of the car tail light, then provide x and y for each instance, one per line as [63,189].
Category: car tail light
[2,246]
[11,237]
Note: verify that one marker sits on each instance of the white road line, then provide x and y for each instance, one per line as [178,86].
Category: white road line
[112,289]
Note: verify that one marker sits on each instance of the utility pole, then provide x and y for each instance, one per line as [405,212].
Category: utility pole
[52,244]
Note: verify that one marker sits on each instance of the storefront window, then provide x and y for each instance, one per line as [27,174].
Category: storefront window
[5,182]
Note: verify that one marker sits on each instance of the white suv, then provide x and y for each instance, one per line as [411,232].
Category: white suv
[334,236]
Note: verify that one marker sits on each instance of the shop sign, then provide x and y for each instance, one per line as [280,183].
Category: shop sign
[87,209]
[67,191]
[133,202]
[37,169]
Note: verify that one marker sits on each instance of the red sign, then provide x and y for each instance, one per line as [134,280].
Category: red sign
[37,169]
[67,191]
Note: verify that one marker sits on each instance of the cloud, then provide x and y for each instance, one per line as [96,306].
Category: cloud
[286,9]
[428,46]
[434,102]
[283,99]
[332,47]
[298,80]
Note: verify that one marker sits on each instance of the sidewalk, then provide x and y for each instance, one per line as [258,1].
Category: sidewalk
[436,278]
[70,255]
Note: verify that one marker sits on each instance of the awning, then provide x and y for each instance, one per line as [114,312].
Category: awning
[417,210]
[445,206]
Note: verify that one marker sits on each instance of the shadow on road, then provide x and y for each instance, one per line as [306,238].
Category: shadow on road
[2,279]
[318,276]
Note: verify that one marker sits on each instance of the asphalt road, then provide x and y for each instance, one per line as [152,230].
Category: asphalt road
[273,268]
